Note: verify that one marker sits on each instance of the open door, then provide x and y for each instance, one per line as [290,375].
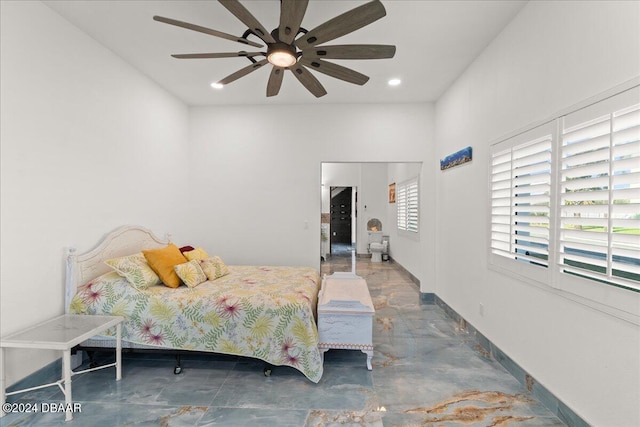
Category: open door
[341,219]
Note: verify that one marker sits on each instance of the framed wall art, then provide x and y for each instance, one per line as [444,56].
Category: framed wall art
[456,159]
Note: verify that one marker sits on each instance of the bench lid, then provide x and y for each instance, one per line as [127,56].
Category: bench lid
[345,293]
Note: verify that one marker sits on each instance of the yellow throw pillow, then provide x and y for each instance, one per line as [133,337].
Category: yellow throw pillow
[135,269]
[162,262]
[195,254]
[214,267]
[191,273]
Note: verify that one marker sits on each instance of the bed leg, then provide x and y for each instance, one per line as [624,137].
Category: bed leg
[267,369]
[92,359]
[178,369]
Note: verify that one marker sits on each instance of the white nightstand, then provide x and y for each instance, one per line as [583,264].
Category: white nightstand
[62,333]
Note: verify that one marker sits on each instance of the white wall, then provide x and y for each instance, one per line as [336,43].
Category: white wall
[412,251]
[372,201]
[87,144]
[553,55]
[254,192]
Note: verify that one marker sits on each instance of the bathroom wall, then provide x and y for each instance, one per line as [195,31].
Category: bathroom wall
[372,201]
[413,249]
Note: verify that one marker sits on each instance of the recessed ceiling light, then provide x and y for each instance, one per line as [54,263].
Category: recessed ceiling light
[394,82]
[217,85]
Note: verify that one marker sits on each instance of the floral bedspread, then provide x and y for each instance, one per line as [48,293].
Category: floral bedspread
[261,312]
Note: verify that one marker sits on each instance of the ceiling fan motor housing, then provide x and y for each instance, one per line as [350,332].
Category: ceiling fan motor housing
[283,51]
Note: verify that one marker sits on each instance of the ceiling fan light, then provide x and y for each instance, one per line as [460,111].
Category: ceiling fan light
[217,85]
[281,58]
[394,82]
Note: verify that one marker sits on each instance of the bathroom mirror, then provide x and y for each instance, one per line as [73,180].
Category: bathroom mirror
[374,224]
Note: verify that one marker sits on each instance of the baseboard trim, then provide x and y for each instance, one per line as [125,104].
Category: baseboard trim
[413,278]
[490,350]
[427,298]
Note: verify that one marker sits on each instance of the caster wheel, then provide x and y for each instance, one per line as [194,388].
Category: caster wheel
[267,372]
[177,370]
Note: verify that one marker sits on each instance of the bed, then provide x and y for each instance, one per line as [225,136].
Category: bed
[262,312]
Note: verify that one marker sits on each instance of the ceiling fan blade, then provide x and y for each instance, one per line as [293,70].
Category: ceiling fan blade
[275,81]
[240,12]
[351,51]
[205,30]
[242,72]
[215,55]
[335,70]
[308,80]
[342,24]
[291,14]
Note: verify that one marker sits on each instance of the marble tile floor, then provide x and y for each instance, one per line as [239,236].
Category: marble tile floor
[340,250]
[426,372]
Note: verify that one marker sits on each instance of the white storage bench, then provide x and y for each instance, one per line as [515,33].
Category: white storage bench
[345,314]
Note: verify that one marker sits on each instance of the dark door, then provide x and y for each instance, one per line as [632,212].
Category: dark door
[340,215]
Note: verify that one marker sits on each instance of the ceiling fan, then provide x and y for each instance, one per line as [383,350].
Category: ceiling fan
[301,54]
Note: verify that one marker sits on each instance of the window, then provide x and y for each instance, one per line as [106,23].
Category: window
[520,201]
[599,212]
[565,199]
[407,205]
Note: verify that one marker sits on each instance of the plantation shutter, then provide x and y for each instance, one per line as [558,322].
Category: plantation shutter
[412,206]
[520,198]
[401,206]
[600,192]
[408,207]
[501,203]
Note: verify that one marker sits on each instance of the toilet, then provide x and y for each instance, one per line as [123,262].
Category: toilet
[377,245]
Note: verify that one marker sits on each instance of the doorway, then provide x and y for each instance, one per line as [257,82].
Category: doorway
[341,219]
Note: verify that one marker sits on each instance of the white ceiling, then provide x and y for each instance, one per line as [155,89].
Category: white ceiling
[435,41]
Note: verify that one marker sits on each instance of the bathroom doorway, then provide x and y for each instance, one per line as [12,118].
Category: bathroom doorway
[370,183]
[342,214]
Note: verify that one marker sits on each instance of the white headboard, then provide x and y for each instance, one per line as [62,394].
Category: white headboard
[126,240]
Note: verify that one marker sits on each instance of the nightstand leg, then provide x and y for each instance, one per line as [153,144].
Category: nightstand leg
[3,396]
[66,374]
